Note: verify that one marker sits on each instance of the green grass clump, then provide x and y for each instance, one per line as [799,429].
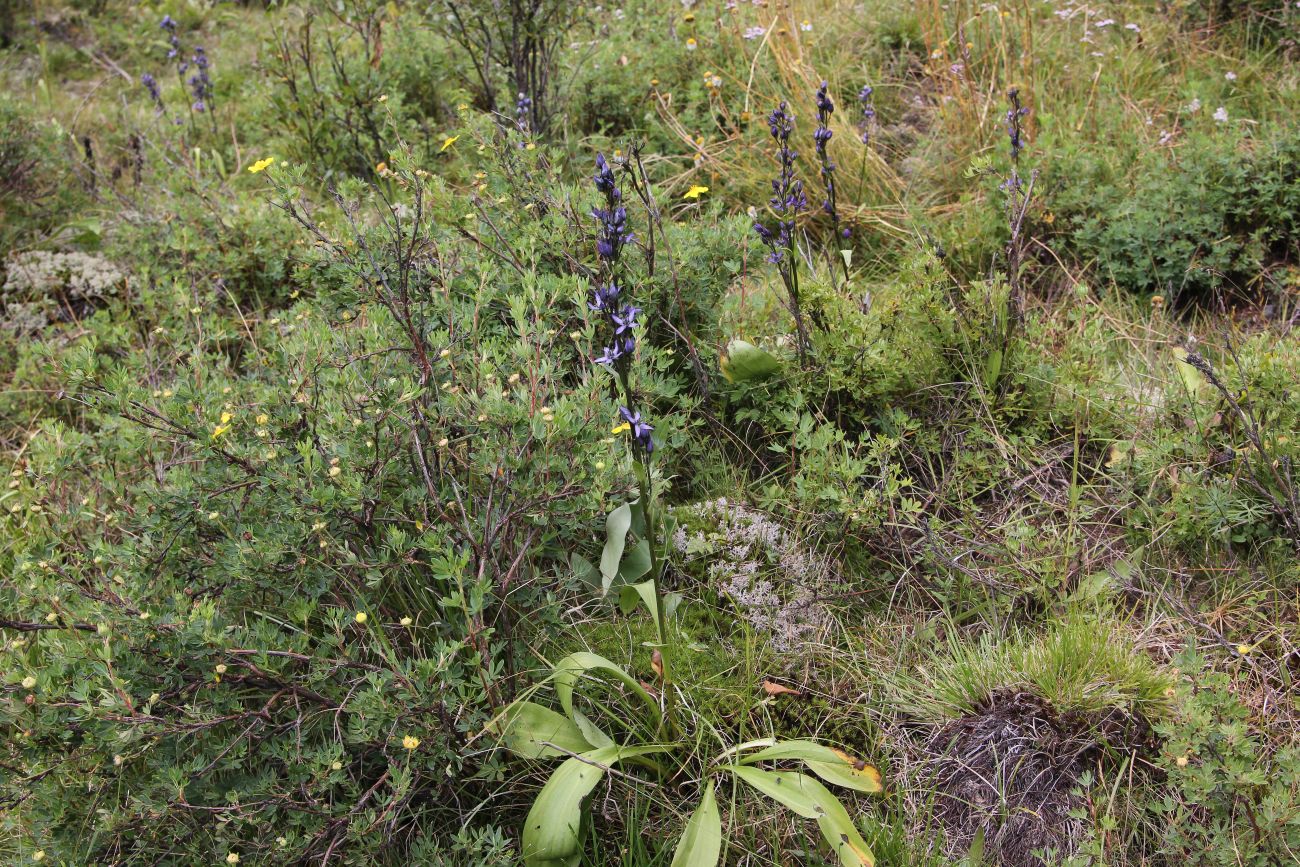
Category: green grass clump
[1082,665]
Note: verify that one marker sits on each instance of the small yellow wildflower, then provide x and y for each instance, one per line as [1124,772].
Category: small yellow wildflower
[448,142]
[691,44]
[1243,649]
[695,191]
[38,855]
[221,668]
[224,426]
[362,617]
[29,682]
[410,742]
[261,165]
[336,766]
[620,428]
[263,418]
[405,621]
[232,858]
[334,471]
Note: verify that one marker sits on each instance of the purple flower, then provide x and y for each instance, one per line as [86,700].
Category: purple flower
[523,107]
[788,197]
[199,82]
[169,24]
[613,232]
[604,178]
[868,113]
[155,92]
[824,104]
[604,297]
[609,355]
[1015,129]
[641,429]
[625,320]
[821,137]
[787,201]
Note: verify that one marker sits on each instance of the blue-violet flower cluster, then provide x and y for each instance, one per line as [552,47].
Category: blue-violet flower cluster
[523,107]
[1015,129]
[155,93]
[868,112]
[788,197]
[787,201]
[621,316]
[200,83]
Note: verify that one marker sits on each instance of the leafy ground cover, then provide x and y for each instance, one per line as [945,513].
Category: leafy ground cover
[485,432]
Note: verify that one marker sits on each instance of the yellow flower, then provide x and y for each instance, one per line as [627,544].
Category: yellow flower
[261,165]
[221,668]
[1243,649]
[232,858]
[405,621]
[38,855]
[263,419]
[224,426]
[695,191]
[691,44]
[448,142]
[361,617]
[410,742]
[29,682]
[620,428]
[334,471]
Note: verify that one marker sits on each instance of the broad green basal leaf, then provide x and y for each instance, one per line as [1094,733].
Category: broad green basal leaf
[830,764]
[552,831]
[576,665]
[810,799]
[701,842]
[787,788]
[745,362]
[534,732]
[838,828]
[617,524]
[631,594]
